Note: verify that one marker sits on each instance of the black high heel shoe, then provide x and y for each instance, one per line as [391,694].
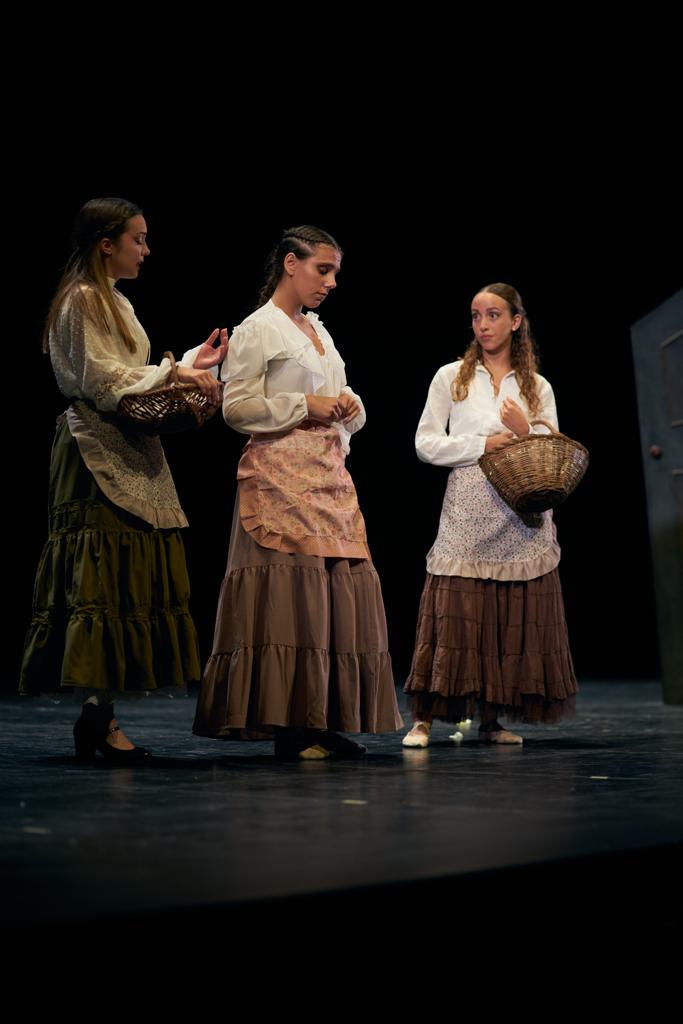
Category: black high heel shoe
[91,731]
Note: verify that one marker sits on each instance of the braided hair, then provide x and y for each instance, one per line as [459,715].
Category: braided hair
[302,241]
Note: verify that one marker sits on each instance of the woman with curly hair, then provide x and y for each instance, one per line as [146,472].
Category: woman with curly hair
[491,632]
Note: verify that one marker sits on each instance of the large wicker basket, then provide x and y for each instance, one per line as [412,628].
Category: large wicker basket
[536,472]
[168,410]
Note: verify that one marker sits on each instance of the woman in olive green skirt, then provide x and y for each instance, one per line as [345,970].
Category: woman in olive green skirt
[110,608]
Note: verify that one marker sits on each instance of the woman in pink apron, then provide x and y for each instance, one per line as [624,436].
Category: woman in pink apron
[300,648]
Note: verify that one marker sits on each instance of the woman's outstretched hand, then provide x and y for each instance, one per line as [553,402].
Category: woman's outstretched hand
[209,356]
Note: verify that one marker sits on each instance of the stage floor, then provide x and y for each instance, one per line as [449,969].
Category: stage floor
[209,824]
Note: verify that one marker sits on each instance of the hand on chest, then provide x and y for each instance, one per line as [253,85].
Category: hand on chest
[480,413]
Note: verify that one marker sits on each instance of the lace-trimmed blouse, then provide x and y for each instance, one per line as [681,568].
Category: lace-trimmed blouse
[270,368]
[95,370]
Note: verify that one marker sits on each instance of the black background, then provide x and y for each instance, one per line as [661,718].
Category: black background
[578,214]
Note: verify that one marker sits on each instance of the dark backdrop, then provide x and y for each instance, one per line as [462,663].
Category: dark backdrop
[588,246]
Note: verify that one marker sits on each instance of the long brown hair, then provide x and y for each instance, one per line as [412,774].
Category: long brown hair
[302,241]
[84,281]
[523,354]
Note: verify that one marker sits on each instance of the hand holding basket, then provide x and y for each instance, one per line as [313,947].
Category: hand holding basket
[168,410]
[536,472]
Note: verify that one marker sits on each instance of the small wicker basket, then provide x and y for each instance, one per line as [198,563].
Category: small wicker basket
[168,410]
[536,472]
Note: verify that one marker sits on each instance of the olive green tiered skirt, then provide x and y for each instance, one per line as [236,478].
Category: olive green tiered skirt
[110,603]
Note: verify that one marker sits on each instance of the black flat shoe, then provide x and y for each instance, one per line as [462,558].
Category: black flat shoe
[339,744]
[290,742]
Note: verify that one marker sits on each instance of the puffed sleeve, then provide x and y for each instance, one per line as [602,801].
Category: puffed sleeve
[341,386]
[358,421]
[92,367]
[245,406]
[432,442]
[547,409]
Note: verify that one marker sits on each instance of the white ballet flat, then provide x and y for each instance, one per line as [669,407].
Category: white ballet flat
[417,737]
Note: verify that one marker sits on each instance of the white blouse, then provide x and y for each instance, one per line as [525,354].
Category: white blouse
[454,433]
[479,534]
[270,368]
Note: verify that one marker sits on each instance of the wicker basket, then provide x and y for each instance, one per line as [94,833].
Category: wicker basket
[536,472]
[167,410]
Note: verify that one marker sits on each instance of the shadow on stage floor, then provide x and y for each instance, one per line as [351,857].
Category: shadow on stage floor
[211,834]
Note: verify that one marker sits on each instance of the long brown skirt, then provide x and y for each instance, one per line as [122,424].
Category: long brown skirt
[497,647]
[300,641]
